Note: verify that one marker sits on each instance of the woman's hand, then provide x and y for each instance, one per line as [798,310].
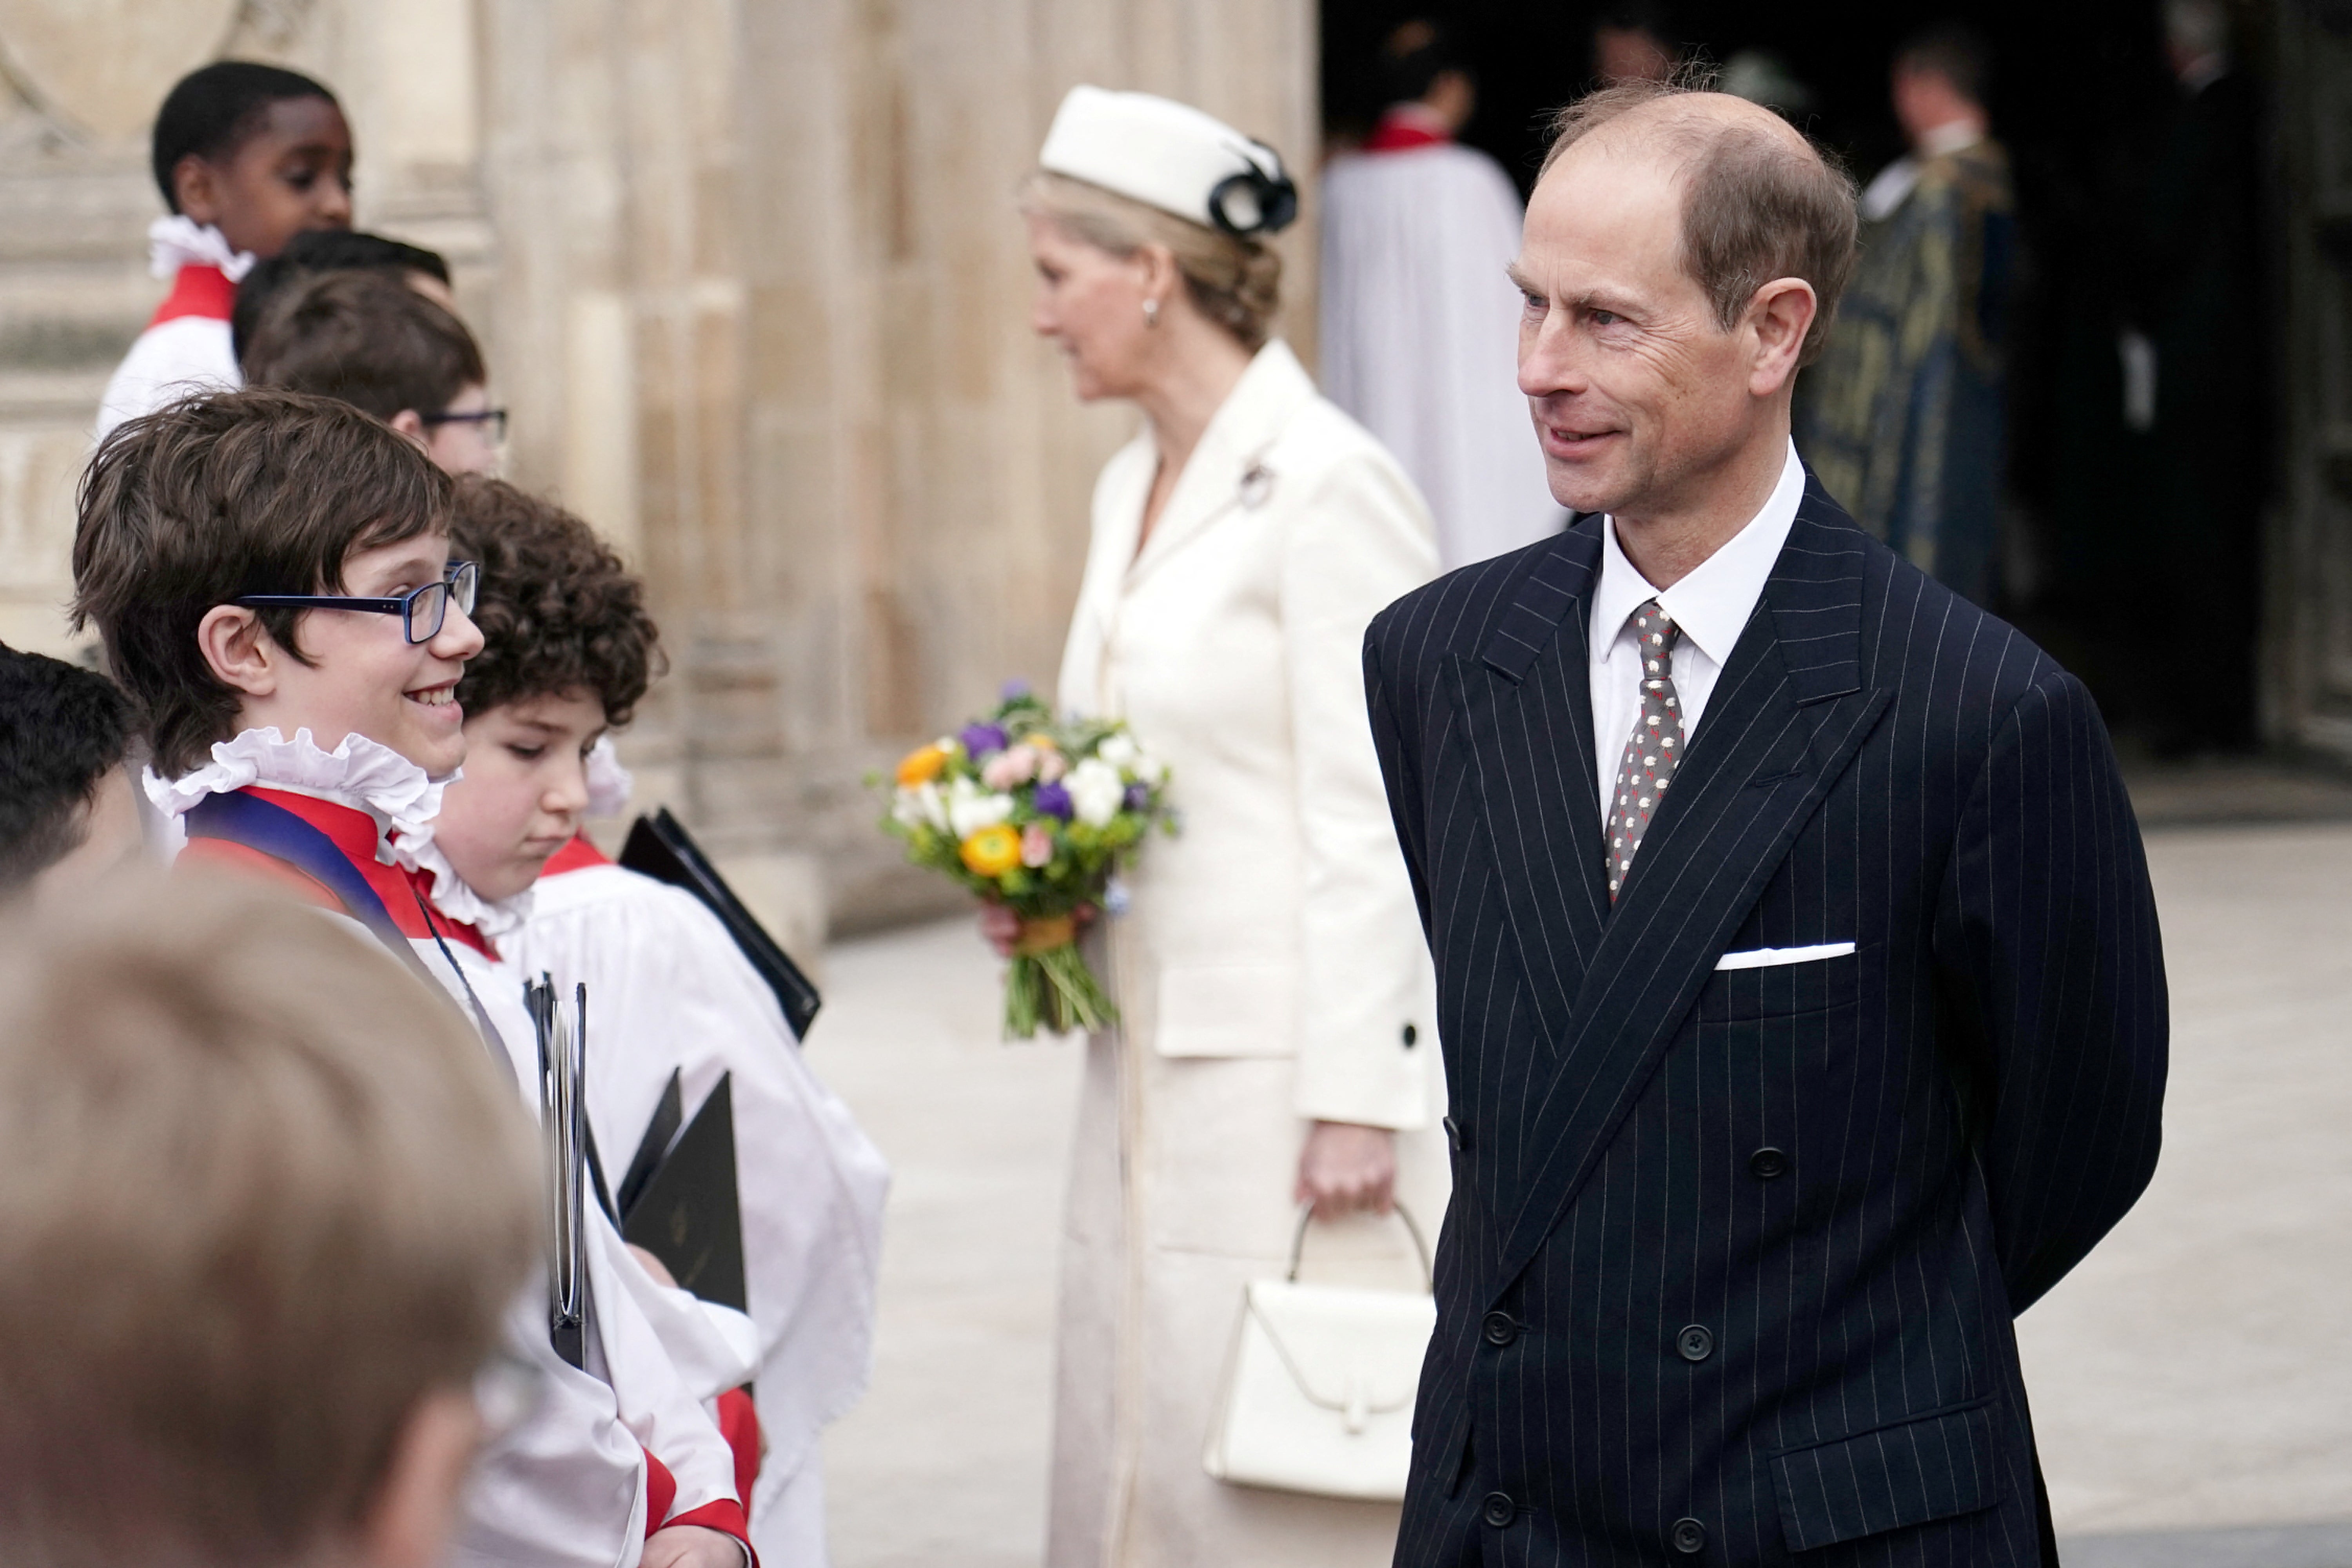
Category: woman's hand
[1345,1168]
[1001,928]
[691,1546]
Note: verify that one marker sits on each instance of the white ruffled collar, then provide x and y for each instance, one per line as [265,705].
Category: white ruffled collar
[180,241]
[363,775]
[609,783]
[455,897]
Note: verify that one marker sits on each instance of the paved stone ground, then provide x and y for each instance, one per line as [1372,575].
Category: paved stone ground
[2192,1382]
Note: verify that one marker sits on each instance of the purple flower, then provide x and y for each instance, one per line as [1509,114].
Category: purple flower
[1015,690]
[1052,800]
[980,740]
[1138,797]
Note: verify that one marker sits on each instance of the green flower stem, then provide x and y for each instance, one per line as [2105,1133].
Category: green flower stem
[1053,989]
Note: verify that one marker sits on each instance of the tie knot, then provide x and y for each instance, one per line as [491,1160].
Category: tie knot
[1655,628]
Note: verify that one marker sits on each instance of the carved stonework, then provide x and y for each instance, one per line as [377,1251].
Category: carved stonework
[99,67]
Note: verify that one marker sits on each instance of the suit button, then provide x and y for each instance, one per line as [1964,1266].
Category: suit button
[1411,1037]
[1498,1509]
[1453,1134]
[1765,1163]
[1694,1344]
[1501,1329]
[1689,1537]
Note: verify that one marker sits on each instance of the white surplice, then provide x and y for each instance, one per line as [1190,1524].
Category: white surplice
[669,990]
[1420,338]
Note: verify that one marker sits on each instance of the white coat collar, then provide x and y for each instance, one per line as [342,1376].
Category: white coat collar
[1229,467]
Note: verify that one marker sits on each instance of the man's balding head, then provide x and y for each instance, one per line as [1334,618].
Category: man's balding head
[1759,201]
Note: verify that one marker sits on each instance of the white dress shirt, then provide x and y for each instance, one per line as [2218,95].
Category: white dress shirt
[1712,605]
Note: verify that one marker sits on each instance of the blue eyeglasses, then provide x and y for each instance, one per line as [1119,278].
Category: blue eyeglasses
[421,610]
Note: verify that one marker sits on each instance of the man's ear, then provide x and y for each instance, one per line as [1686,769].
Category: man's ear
[196,185]
[239,650]
[408,1525]
[411,423]
[1780,315]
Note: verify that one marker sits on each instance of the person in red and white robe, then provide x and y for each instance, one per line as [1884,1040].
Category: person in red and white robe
[1420,323]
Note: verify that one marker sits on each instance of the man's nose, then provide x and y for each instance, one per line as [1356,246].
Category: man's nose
[332,201]
[1548,359]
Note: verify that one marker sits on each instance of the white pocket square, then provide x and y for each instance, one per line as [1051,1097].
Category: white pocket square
[1767,957]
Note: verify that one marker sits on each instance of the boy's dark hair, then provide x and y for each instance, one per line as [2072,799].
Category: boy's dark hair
[1416,53]
[366,338]
[1955,51]
[557,609]
[62,728]
[215,110]
[260,491]
[322,250]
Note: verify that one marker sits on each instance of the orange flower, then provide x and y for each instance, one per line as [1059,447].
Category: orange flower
[993,851]
[921,766]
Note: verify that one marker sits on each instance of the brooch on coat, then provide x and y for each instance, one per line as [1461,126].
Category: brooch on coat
[1257,483]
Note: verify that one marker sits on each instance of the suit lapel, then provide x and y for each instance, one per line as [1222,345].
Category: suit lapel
[1786,717]
[1529,708]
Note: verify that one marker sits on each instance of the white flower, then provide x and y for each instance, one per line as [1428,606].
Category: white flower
[1096,790]
[1148,769]
[971,808]
[1117,749]
[920,806]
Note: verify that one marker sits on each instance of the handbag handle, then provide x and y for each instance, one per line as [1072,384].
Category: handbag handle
[1419,1247]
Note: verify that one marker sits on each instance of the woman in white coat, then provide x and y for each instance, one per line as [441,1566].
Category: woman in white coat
[1277,1044]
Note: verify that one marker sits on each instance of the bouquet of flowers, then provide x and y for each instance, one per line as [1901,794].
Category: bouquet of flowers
[1034,814]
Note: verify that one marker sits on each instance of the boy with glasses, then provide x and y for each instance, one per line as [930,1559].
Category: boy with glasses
[371,340]
[272,575]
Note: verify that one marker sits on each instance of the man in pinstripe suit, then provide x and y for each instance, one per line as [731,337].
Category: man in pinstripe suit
[1785,1074]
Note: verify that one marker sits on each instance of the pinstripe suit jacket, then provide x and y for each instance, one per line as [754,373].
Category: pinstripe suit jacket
[1733,1255]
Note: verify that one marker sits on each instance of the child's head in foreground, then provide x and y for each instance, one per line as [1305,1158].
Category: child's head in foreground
[265,1203]
[258,153]
[67,811]
[369,338]
[569,651]
[220,498]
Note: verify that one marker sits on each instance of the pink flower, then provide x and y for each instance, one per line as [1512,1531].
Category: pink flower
[1052,765]
[1015,765]
[1037,847]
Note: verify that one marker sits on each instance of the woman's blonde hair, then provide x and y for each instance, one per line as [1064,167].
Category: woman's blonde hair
[1234,282]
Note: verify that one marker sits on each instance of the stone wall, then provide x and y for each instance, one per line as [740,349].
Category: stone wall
[753,286]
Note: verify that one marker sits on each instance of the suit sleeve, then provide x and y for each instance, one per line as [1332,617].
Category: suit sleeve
[2048,944]
[1361,541]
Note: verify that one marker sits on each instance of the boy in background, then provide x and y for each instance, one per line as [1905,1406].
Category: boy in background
[370,338]
[319,250]
[67,811]
[193,1072]
[568,652]
[247,156]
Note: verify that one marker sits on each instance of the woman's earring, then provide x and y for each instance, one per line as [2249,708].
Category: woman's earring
[1150,312]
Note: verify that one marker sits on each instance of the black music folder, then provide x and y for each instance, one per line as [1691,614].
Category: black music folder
[659,847]
[678,1199]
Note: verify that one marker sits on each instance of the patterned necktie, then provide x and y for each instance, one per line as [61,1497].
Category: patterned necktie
[1653,748]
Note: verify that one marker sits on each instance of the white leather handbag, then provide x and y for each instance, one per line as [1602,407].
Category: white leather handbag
[1319,1386]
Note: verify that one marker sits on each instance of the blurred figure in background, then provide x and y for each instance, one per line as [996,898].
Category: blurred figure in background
[263,1206]
[2195,373]
[1902,418]
[68,812]
[1633,42]
[1419,325]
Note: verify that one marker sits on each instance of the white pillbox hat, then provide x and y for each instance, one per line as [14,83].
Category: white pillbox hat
[1172,156]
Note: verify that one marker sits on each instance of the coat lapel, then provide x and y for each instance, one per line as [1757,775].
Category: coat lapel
[1786,717]
[1529,708]
[1228,470]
